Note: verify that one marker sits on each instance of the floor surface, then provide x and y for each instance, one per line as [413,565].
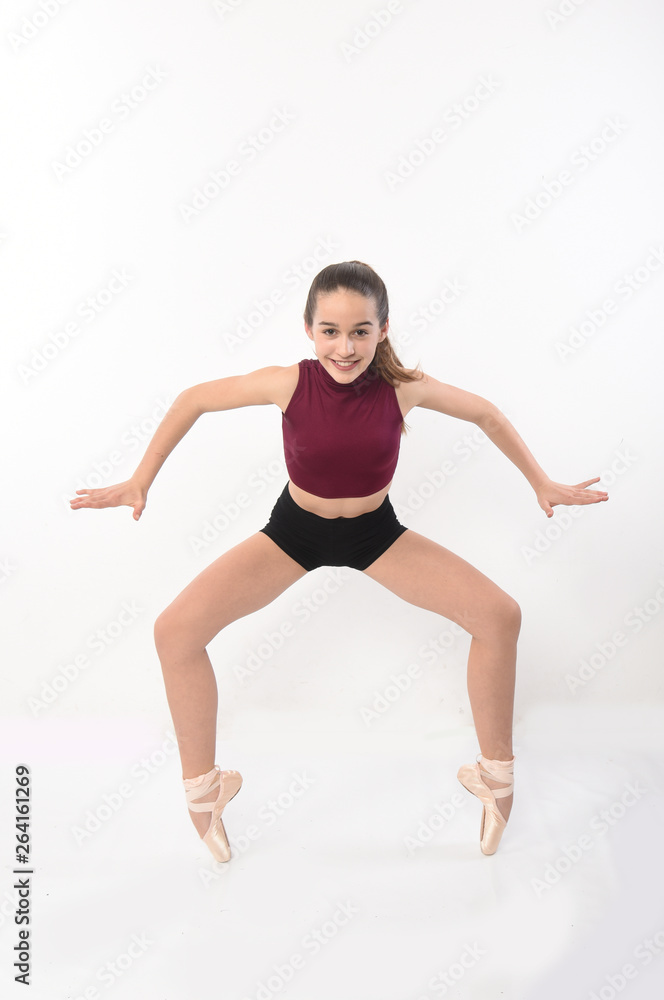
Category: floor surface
[356,868]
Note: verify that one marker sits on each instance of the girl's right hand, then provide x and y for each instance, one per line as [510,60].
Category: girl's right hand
[128,493]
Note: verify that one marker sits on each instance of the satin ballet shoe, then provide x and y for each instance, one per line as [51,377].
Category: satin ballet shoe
[229,783]
[493,822]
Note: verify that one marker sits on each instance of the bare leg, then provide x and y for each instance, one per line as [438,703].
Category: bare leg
[244,579]
[430,576]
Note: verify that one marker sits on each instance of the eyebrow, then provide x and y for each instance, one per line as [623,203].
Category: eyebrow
[365,323]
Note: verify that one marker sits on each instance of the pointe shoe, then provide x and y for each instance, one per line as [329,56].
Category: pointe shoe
[230,783]
[493,822]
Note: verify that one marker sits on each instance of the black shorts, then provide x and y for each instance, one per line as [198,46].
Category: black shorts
[314,541]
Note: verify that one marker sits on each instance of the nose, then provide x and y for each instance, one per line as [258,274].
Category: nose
[346,348]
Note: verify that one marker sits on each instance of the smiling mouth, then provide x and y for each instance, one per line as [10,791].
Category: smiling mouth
[345,365]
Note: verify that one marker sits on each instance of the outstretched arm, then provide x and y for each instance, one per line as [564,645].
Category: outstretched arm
[434,395]
[180,417]
[266,385]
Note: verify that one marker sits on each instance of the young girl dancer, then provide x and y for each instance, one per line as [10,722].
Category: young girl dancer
[342,417]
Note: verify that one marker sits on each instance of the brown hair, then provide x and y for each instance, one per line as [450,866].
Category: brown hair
[355,276]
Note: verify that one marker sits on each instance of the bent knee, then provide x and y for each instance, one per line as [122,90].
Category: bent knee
[508,617]
[512,616]
[501,620]
[170,630]
[163,629]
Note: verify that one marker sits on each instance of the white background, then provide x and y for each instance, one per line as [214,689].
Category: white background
[80,402]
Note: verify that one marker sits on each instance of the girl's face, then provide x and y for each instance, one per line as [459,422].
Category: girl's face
[345,333]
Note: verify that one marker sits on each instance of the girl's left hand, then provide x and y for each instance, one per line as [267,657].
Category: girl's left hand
[549,494]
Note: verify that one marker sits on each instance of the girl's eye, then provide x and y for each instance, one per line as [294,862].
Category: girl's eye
[363,333]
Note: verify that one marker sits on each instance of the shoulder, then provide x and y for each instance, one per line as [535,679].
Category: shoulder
[276,383]
[280,381]
[273,384]
[412,393]
[273,379]
[431,394]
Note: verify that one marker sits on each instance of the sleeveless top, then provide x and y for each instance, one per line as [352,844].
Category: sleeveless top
[341,439]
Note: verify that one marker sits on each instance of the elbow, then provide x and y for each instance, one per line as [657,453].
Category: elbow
[189,401]
[490,418]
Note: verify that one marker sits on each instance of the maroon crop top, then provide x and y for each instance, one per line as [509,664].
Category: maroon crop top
[341,439]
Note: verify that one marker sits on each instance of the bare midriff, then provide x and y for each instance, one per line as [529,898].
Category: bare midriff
[341,507]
